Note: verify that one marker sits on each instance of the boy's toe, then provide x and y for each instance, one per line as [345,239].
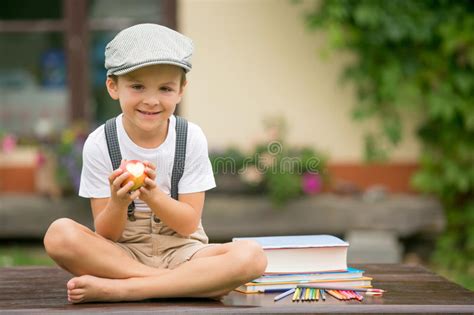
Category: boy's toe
[75,292]
[71,284]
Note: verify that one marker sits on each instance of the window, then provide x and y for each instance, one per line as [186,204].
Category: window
[52,70]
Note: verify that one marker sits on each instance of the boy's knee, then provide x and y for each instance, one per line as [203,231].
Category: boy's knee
[60,236]
[251,258]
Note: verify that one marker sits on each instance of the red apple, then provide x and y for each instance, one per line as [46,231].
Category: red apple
[136,171]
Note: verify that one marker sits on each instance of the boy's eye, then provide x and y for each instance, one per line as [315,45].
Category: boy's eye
[166,89]
[137,87]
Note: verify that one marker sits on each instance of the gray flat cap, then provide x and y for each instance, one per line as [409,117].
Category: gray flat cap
[147,44]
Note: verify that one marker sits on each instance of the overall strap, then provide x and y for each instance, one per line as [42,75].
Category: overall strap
[115,155]
[179,155]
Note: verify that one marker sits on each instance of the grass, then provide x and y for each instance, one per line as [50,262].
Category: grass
[24,255]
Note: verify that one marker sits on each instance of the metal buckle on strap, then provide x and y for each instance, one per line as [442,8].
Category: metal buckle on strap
[131,212]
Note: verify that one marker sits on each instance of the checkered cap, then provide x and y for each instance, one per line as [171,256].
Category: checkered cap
[147,44]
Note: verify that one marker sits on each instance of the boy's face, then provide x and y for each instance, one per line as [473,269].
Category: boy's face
[148,96]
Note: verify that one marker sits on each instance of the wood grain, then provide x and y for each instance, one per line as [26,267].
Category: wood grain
[411,289]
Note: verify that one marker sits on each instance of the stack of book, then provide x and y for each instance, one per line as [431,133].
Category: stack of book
[304,259]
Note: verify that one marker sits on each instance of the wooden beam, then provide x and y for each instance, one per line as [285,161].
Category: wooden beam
[21,26]
[169,10]
[77,54]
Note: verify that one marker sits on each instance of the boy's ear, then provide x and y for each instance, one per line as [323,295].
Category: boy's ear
[182,88]
[112,88]
[181,91]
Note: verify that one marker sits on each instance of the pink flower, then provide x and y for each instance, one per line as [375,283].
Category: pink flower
[251,175]
[40,159]
[312,183]
[8,143]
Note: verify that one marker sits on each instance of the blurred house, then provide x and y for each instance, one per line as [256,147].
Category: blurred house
[253,60]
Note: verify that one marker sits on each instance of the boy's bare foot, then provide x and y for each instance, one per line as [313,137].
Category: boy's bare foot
[89,289]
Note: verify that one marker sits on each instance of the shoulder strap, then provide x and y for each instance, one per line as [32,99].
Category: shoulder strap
[112,142]
[179,155]
[115,155]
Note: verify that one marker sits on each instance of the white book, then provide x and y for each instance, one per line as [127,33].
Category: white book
[302,253]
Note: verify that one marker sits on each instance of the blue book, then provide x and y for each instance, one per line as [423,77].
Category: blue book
[302,253]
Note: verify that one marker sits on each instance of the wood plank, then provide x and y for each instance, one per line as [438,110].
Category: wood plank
[411,289]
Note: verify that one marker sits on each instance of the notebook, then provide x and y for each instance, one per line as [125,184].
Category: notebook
[302,253]
[252,287]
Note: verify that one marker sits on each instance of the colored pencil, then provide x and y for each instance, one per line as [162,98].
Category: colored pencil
[317,295]
[349,294]
[306,296]
[323,295]
[284,294]
[334,294]
[359,297]
[296,294]
[303,291]
[374,293]
[331,294]
[314,286]
[346,296]
[343,296]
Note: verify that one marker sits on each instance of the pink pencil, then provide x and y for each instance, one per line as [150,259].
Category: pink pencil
[359,297]
[349,294]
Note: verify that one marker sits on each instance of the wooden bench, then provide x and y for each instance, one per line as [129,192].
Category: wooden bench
[224,217]
[411,289]
[373,225]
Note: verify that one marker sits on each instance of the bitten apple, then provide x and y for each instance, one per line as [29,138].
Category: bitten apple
[136,171]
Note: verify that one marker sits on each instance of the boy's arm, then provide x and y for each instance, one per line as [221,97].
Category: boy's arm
[110,214]
[182,215]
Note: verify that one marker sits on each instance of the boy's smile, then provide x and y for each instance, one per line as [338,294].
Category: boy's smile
[148,97]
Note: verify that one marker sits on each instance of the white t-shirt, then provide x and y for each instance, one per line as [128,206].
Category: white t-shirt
[97,166]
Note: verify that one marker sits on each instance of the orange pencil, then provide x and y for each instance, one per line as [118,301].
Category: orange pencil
[345,297]
[336,294]
[332,294]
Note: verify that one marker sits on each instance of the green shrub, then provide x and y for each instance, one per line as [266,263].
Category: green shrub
[417,56]
[273,167]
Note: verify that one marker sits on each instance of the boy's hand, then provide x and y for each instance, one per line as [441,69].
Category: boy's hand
[121,196]
[149,188]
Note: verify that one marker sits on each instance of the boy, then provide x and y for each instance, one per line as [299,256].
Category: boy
[160,250]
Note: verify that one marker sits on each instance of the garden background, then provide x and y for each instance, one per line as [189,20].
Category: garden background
[313,108]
